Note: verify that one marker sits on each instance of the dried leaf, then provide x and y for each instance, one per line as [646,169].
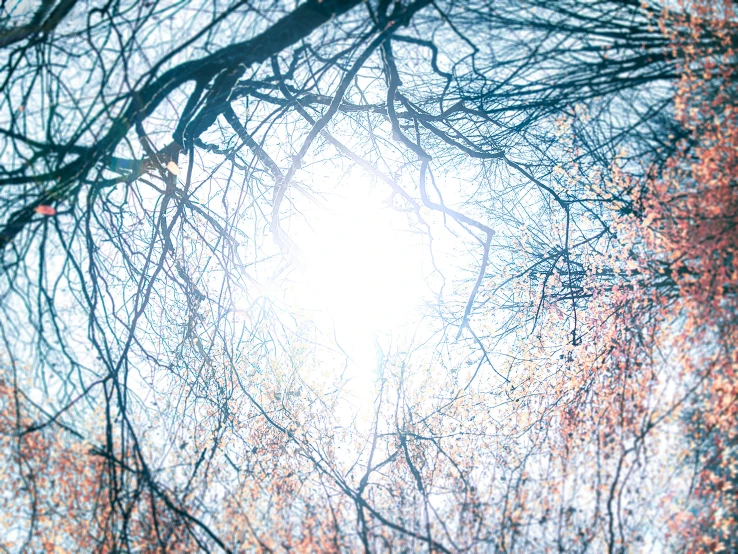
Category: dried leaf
[43,209]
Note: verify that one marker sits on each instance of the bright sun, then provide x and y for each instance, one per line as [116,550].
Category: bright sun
[363,270]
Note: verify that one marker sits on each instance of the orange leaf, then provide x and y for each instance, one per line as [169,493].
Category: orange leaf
[45,210]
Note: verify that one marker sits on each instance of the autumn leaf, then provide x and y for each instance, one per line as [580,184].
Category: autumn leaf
[44,209]
[649,219]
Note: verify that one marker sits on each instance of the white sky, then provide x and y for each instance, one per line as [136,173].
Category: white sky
[363,275]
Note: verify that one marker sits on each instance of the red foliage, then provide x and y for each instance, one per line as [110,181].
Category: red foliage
[45,210]
[681,250]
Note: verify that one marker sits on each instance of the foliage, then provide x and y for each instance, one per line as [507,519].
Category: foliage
[576,390]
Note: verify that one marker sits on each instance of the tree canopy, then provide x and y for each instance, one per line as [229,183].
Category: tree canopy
[566,172]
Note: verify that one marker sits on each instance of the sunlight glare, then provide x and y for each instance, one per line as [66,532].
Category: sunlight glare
[363,269]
